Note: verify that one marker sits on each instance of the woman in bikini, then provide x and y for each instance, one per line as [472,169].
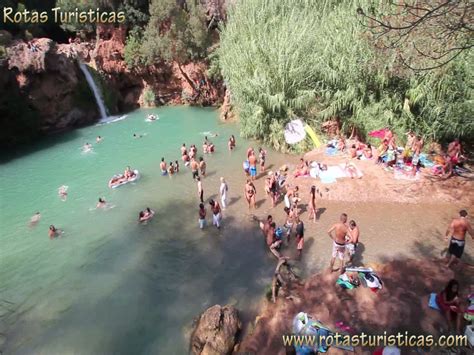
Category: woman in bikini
[312,204]
[250,193]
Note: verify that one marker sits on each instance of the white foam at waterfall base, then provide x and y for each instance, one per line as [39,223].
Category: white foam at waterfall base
[95,90]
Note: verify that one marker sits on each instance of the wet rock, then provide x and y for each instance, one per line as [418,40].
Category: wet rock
[216,331]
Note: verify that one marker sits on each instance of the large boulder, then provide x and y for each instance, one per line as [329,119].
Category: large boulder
[216,331]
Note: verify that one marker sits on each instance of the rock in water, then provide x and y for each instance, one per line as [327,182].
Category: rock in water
[216,331]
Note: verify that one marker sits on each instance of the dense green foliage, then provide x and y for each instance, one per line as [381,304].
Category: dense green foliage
[316,61]
[176,31]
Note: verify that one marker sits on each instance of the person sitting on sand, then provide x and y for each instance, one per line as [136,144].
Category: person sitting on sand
[382,152]
[163,167]
[101,203]
[455,152]
[250,193]
[202,216]
[341,144]
[456,234]
[202,166]
[35,219]
[353,240]
[353,151]
[302,170]
[350,169]
[391,157]
[449,303]
[367,152]
[339,241]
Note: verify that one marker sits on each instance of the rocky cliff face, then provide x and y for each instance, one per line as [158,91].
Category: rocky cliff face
[42,90]
[47,82]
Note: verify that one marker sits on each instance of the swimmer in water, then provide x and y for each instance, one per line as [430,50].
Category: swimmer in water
[101,203]
[87,147]
[146,215]
[53,232]
[35,219]
[98,139]
[137,135]
[62,192]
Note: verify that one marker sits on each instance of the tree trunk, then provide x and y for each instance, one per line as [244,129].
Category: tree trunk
[188,79]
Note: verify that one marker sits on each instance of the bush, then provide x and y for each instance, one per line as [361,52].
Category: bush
[149,97]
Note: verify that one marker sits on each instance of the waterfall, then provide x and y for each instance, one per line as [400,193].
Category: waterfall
[95,90]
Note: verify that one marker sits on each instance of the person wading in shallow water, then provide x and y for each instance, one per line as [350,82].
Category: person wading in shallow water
[216,213]
[200,189]
[339,241]
[457,231]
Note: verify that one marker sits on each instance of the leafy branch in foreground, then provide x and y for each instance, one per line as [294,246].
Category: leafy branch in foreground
[425,34]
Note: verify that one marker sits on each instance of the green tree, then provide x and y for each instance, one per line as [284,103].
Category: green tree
[176,32]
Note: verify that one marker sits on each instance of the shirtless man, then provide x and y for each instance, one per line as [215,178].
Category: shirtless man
[202,216]
[457,230]
[216,213]
[352,242]
[200,189]
[164,171]
[290,196]
[250,193]
[264,226]
[253,166]
[194,168]
[272,242]
[202,166]
[183,149]
[339,241]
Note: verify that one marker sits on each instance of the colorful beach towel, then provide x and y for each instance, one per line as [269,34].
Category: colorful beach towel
[378,133]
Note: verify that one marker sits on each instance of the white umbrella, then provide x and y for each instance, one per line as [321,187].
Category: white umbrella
[295,132]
